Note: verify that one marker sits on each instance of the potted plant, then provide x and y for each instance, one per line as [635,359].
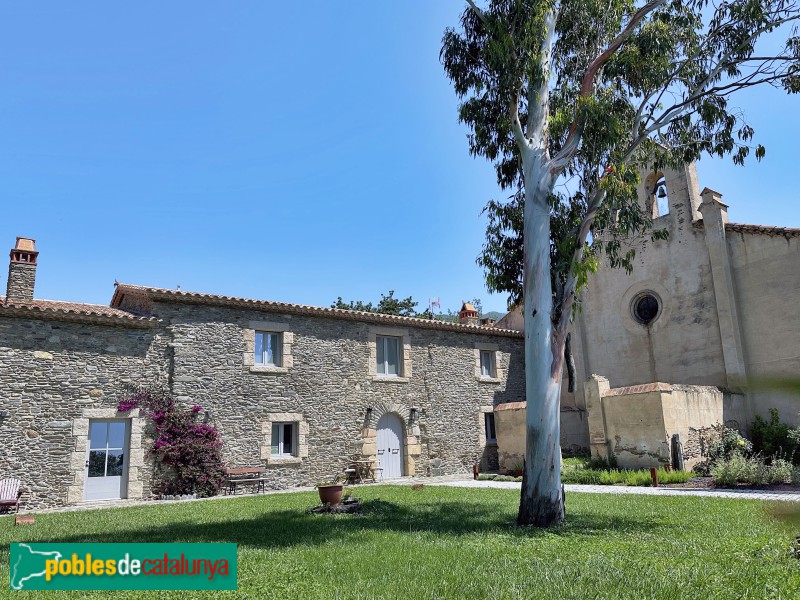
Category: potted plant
[330,493]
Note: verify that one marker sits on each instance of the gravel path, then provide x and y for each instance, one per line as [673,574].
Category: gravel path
[463,482]
[647,491]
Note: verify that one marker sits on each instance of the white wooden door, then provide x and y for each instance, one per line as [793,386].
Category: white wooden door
[106,469]
[390,445]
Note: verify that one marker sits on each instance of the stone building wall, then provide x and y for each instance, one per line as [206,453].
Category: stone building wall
[327,384]
[54,376]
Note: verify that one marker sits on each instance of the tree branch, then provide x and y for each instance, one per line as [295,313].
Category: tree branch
[478,12]
[539,96]
[559,162]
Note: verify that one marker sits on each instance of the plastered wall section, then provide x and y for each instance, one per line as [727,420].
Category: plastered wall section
[510,426]
[635,424]
[766,275]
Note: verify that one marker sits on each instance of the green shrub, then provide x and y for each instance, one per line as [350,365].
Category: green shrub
[622,476]
[725,443]
[771,438]
[487,476]
[753,471]
[506,478]
[601,463]
[729,471]
[780,471]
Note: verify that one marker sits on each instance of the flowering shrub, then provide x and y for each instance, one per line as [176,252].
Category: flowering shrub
[190,453]
[725,444]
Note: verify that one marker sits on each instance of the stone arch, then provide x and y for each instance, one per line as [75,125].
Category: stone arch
[655,204]
[411,447]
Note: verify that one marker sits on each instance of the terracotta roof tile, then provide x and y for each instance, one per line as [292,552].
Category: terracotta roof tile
[72,311]
[770,230]
[763,229]
[167,295]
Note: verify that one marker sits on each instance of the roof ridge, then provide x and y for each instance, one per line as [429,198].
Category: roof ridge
[202,297]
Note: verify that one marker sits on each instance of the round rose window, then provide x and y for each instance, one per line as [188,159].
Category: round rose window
[645,308]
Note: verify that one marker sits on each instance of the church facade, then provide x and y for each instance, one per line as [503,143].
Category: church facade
[713,307]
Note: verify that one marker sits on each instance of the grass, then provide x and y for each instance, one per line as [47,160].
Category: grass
[457,543]
[582,471]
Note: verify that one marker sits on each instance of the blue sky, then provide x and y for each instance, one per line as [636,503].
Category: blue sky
[286,151]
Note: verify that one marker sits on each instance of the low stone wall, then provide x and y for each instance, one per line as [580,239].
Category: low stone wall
[634,425]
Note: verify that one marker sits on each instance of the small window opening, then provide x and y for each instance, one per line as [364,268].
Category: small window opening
[646,308]
[661,197]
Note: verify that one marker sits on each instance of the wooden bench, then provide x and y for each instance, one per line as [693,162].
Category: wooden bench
[236,476]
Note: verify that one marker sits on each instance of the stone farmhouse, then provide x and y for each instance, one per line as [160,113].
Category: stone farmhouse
[694,336]
[697,334]
[299,390]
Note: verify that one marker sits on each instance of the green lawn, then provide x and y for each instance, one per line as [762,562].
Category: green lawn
[460,543]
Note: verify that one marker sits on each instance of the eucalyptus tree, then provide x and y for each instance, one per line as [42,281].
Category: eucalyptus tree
[570,99]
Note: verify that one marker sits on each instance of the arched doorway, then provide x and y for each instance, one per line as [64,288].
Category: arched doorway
[390,445]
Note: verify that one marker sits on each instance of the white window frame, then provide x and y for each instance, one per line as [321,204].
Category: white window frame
[285,343]
[282,453]
[277,355]
[482,350]
[300,442]
[488,360]
[381,369]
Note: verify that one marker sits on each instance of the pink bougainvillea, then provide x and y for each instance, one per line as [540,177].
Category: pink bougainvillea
[190,453]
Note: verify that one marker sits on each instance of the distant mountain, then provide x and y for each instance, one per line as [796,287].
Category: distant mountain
[493,314]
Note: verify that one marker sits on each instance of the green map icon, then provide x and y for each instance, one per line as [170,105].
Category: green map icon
[28,564]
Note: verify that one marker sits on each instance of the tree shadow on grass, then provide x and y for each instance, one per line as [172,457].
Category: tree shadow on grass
[287,528]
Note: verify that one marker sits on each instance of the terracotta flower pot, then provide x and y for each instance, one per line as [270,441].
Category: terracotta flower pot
[330,494]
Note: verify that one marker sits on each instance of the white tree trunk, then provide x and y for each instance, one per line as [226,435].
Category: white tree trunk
[541,502]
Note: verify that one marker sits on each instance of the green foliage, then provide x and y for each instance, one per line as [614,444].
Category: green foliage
[772,438]
[661,99]
[188,453]
[630,477]
[388,305]
[598,472]
[508,478]
[753,470]
[725,443]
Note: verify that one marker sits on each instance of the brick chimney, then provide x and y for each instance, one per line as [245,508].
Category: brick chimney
[22,271]
[468,315]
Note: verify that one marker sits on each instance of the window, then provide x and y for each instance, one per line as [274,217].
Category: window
[283,439]
[388,356]
[268,349]
[645,308]
[487,364]
[491,436]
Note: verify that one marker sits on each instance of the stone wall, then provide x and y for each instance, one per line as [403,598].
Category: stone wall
[329,381]
[21,281]
[54,377]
